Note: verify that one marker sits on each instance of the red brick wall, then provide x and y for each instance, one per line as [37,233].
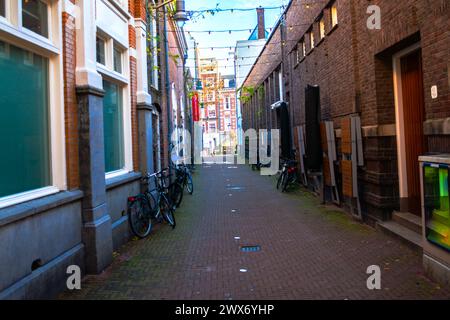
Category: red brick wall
[137,10]
[134,120]
[70,101]
[353,67]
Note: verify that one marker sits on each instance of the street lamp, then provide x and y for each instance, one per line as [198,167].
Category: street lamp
[180,16]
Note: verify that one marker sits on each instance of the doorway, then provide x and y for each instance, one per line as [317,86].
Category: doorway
[410,116]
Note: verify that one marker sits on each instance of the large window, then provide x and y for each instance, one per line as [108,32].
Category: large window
[227,103]
[334,15]
[113,127]
[24,121]
[322,28]
[35,16]
[152,45]
[2,8]
[311,39]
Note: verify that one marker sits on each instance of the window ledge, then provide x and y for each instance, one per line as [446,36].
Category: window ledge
[125,178]
[320,41]
[332,30]
[30,208]
[28,39]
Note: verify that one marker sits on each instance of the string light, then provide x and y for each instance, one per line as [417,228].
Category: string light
[232,10]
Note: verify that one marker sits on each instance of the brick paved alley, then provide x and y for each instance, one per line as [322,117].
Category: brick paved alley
[308,251]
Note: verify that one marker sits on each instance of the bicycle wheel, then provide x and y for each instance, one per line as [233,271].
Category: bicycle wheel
[167,211]
[285,183]
[280,180]
[190,184]
[176,194]
[139,217]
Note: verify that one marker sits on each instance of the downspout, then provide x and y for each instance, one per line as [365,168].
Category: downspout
[168,89]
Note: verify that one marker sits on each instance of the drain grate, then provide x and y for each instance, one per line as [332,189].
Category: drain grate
[250,248]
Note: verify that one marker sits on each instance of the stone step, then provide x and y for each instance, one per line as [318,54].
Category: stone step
[406,235]
[408,220]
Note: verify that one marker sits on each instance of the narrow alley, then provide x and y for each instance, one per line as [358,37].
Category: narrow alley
[304,250]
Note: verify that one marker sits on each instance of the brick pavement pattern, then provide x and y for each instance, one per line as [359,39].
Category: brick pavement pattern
[308,251]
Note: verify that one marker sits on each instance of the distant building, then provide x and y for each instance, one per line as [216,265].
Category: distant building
[246,53]
[208,94]
[227,112]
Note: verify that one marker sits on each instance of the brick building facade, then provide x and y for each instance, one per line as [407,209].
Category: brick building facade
[388,77]
[98,97]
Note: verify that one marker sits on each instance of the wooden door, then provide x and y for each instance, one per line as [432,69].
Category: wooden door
[413,118]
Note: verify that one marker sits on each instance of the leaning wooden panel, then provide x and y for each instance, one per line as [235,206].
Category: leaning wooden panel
[327,172]
[326,161]
[346,135]
[297,148]
[347,178]
[323,136]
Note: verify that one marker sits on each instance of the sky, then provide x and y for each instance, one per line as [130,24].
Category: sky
[225,21]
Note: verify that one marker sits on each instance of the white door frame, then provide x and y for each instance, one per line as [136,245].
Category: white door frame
[399,120]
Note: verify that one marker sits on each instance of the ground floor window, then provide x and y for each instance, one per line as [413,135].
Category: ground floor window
[113,127]
[24,121]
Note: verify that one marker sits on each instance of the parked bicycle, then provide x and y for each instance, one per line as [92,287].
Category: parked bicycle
[288,175]
[184,175]
[151,205]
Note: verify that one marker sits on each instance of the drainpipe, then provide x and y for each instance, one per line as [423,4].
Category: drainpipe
[168,89]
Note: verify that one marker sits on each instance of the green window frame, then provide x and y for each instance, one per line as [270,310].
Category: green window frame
[113,127]
[24,121]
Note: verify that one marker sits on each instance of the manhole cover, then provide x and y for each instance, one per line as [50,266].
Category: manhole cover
[236,188]
[250,248]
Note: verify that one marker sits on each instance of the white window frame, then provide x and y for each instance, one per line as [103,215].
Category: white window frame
[104,39]
[122,50]
[32,33]
[49,48]
[123,81]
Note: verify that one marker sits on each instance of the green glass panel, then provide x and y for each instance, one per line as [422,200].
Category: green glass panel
[24,121]
[113,127]
[437,209]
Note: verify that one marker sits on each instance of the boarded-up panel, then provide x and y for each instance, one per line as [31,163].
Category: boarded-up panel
[346,135]
[413,118]
[347,178]
[298,148]
[326,161]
